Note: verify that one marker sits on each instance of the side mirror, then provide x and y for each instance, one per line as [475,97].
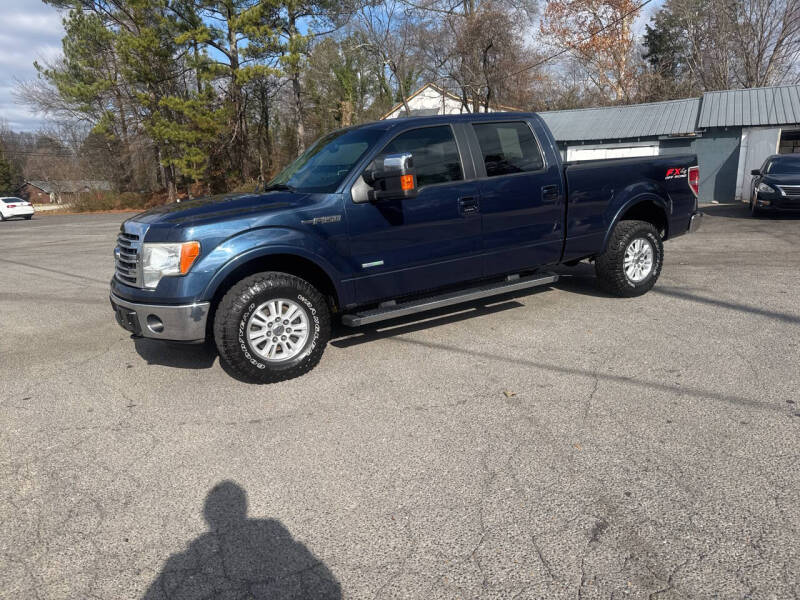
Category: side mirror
[391,177]
[755,172]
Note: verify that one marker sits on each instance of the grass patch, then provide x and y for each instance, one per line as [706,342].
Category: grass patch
[102,201]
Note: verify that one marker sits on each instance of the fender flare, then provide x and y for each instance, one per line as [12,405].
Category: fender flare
[629,204]
[264,251]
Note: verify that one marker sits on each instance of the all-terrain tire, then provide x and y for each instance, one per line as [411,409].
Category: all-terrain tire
[243,300]
[610,265]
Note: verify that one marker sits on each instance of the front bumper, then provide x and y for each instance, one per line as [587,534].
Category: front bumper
[774,202]
[182,323]
[695,221]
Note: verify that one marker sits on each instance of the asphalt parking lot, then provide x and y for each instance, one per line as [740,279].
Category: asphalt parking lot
[559,444]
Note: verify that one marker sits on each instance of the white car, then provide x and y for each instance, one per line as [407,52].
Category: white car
[15,207]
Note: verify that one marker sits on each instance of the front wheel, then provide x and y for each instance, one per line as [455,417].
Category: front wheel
[754,210]
[632,261]
[271,327]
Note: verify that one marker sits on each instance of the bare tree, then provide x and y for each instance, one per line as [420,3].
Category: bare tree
[390,32]
[721,44]
[599,35]
[475,49]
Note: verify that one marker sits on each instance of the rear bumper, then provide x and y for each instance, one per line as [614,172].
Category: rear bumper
[182,323]
[695,221]
[22,211]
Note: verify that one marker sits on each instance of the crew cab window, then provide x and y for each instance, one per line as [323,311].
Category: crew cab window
[436,158]
[508,148]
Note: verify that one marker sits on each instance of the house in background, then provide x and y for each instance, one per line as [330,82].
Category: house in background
[59,192]
[430,100]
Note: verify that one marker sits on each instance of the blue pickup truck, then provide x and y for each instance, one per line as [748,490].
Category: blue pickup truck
[388,219]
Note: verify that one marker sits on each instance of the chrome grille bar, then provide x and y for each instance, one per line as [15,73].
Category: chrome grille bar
[127,267]
[789,190]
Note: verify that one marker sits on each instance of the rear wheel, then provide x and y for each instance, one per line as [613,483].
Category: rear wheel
[631,263]
[271,327]
[28,217]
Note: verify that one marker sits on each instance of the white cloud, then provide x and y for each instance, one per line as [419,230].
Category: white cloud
[31,30]
[28,22]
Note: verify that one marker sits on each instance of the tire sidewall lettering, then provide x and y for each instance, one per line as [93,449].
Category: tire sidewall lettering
[241,337]
[315,318]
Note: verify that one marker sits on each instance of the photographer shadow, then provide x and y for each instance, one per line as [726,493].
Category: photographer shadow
[240,558]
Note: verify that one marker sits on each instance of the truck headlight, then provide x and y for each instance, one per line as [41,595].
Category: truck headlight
[163,260]
[765,189]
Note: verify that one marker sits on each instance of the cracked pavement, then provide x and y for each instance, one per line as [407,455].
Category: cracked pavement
[647,448]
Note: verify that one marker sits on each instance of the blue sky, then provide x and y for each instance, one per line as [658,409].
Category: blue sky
[29,30]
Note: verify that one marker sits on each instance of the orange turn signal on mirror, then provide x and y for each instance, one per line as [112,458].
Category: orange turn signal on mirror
[189,252]
[407,182]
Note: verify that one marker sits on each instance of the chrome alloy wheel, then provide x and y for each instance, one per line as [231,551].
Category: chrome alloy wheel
[638,260]
[278,330]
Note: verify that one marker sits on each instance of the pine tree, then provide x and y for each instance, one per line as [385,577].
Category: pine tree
[6,179]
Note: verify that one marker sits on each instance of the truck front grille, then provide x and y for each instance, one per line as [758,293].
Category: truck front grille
[790,190]
[126,257]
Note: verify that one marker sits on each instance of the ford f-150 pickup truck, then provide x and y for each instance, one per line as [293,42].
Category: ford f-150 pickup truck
[388,219]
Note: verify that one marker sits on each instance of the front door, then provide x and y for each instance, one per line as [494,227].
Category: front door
[521,198]
[401,247]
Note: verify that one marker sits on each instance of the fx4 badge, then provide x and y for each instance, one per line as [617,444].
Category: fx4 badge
[676,173]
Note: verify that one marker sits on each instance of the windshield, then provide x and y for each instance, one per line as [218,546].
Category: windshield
[12,200]
[785,165]
[327,162]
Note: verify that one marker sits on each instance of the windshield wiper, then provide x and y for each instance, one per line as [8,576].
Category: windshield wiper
[278,187]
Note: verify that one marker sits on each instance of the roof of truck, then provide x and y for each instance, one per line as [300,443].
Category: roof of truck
[388,124]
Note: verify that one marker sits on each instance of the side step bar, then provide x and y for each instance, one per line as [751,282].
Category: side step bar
[391,310]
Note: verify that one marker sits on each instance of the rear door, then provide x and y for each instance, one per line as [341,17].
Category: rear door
[400,247]
[521,197]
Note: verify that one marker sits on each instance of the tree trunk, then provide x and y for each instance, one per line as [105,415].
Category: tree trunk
[167,176]
[297,92]
[264,139]
[238,139]
[346,110]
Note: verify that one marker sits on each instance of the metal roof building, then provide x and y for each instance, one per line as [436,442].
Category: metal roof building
[751,107]
[675,117]
[731,131]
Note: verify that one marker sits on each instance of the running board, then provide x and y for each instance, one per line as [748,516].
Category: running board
[391,310]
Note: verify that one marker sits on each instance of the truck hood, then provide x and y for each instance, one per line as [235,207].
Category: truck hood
[221,207]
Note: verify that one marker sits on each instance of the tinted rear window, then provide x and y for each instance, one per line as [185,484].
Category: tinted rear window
[508,148]
[12,200]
